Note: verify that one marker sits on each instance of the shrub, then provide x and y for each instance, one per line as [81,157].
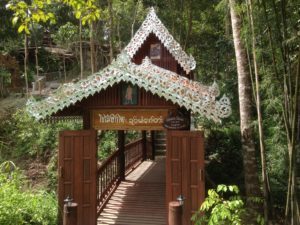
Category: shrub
[23,206]
[224,206]
[108,143]
[223,152]
[28,137]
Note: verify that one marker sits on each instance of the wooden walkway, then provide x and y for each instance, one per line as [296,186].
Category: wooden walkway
[140,200]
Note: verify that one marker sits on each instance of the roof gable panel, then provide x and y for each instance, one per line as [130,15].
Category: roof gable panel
[152,24]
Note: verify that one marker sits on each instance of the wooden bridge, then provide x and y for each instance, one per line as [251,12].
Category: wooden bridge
[140,198]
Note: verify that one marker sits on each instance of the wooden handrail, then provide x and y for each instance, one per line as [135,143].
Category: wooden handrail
[127,146]
[108,180]
[108,160]
[133,154]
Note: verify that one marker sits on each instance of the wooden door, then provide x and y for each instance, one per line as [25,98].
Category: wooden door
[185,170]
[77,161]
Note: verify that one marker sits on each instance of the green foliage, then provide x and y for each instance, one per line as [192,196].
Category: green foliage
[5,76]
[23,206]
[47,62]
[85,11]
[223,206]
[32,137]
[132,135]
[28,137]
[52,175]
[23,137]
[108,143]
[223,153]
[26,15]
[66,35]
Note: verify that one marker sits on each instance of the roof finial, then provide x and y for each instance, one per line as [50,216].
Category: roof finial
[152,10]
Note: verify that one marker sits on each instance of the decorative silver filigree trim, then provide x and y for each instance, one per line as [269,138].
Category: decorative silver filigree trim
[152,24]
[186,93]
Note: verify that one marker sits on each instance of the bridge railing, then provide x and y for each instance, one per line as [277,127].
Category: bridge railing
[108,179]
[109,171]
[133,154]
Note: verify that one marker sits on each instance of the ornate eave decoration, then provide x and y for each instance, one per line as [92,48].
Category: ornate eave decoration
[152,24]
[186,93]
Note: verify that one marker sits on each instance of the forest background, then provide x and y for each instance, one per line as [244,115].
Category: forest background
[269,31]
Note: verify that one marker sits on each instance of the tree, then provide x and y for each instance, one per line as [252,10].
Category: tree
[257,95]
[85,12]
[90,13]
[244,90]
[26,15]
[111,30]
[291,96]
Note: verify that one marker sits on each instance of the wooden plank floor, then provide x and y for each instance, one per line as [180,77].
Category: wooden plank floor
[140,200]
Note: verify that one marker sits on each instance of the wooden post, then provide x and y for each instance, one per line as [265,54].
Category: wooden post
[121,146]
[70,214]
[175,213]
[153,145]
[144,137]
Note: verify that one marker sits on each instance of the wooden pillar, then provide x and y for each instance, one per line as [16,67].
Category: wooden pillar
[70,214]
[144,138]
[175,213]
[153,145]
[121,146]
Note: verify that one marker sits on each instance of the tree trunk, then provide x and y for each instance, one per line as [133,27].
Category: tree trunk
[92,46]
[244,88]
[266,191]
[25,65]
[1,86]
[36,61]
[190,24]
[292,206]
[134,18]
[81,53]
[119,37]
[65,72]
[111,35]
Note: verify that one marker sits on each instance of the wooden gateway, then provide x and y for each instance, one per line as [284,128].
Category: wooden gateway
[148,87]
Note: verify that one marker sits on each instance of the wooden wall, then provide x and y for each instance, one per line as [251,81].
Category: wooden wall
[111,98]
[166,61]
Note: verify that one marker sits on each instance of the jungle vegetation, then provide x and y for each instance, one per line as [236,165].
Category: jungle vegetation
[250,47]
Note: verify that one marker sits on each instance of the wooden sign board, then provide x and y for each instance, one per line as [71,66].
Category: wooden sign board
[176,123]
[128,119]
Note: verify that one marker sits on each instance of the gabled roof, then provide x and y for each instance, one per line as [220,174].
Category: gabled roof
[187,93]
[152,24]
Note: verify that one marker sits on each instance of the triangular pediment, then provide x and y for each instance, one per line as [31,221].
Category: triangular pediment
[152,24]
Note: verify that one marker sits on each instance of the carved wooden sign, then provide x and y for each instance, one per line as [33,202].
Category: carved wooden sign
[128,119]
[176,122]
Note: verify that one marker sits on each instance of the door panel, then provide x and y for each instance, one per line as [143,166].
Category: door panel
[173,170]
[77,172]
[185,170]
